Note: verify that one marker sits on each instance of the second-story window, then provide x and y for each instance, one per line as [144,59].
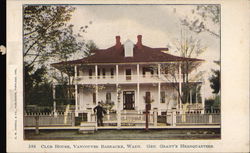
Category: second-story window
[143,71]
[152,71]
[146,70]
[112,72]
[98,73]
[128,74]
[90,73]
[103,72]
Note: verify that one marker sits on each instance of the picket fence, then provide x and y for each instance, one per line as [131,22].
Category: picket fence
[172,119]
[48,119]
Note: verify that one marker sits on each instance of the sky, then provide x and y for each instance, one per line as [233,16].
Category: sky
[159,26]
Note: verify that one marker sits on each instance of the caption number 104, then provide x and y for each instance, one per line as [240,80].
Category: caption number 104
[32,146]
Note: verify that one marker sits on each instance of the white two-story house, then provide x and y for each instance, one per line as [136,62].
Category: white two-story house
[124,74]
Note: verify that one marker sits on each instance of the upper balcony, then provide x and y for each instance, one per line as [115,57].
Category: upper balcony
[122,79]
[124,74]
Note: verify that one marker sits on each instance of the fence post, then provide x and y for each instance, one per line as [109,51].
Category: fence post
[174,118]
[37,124]
[210,118]
[155,116]
[89,115]
[167,116]
[72,118]
[108,116]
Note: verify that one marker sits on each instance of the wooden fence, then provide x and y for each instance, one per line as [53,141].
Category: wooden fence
[125,118]
[48,119]
[172,119]
[197,119]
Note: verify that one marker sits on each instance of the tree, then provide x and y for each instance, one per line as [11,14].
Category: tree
[49,38]
[188,47]
[89,46]
[37,85]
[215,80]
[214,102]
[205,18]
[42,27]
[67,45]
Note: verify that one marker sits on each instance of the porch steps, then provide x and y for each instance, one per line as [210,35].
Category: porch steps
[87,127]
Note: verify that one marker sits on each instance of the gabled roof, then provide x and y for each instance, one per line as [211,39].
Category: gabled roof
[141,54]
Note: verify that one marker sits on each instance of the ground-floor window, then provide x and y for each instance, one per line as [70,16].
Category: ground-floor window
[163,96]
[94,98]
[108,97]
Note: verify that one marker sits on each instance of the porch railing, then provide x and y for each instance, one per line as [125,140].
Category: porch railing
[122,78]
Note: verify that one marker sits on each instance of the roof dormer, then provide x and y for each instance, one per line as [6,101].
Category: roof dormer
[128,48]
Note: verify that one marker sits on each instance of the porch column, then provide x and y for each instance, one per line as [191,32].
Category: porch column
[196,95]
[180,87]
[190,96]
[118,112]
[159,70]
[117,72]
[203,97]
[76,94]
[138,72]
[138,97]
[54,98]
[138,87]
[159,97]
[96,93]
[96,73]
[96,85]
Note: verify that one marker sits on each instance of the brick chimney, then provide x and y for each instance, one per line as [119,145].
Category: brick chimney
[139,41]
[118,42]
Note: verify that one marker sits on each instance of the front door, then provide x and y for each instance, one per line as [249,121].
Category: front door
[128,100]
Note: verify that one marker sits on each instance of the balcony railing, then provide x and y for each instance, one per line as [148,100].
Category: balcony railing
[122,79]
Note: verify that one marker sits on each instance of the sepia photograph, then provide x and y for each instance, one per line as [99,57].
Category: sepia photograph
[121,72]
[127,76]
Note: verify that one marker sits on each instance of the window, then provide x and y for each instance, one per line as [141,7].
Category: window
[108,97]
[148,97]
[112,72]
[77,72]
[98,73]
[94,98]
[147,69]
[103,72]
[143,71]
[166,70]
[128,74]
[90,73]
[163,96]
